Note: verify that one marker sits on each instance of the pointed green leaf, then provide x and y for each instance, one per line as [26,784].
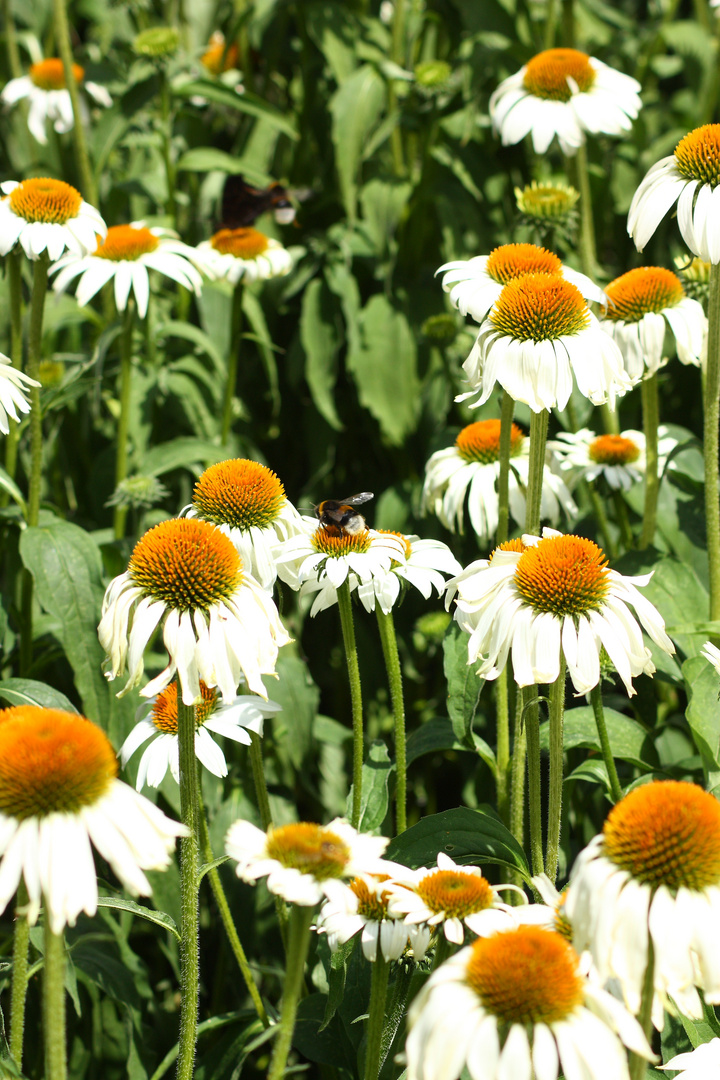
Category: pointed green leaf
[320,339]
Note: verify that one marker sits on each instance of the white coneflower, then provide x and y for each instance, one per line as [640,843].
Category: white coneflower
[42,214]
[246,254]
[618,459]
[46,92]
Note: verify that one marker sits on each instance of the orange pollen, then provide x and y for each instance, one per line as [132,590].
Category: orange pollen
[455,893]
[508,545]
[240,493]
[643,290]
[51,762]
[50,74]
[557,74]
[540,307]
[510,261]
[372,904]
[406,543]
[53,202]
[666,833]
[309,848]
[242,243]
[331,540]
[563,575]
[613,450]
[697,155]
[481,441]
[526,976]
[187,564]
[126,242]
[216,58]
[164,711]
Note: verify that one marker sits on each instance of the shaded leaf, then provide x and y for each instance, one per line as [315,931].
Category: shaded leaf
[157,917]
[355,107]
[464,686]
[320,340]
[703,709]
[628,739]
[245,102]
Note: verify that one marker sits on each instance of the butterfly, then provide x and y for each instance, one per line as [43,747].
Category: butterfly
[242,203]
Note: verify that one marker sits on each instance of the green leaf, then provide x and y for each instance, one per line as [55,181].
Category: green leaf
[464,686]
[31,692]
[319,1042]
[157,917]
[188,332]
[252,309]
[320,339]
[628,739]
[336,975]
[383,204]
[207,159]
[703,709]
[245,103]
[184,453]
[298,697]
[375,796]
[8,484]
[675,590]
[334,29]
[439,734]
[463,834]
[355,107]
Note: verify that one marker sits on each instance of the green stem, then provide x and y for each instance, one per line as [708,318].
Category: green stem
[263,802]
[386,625]
[517,778]
[651,420]
[442,949]
[610,418]
[623,520]
[376,1018]
[189,890]
[37,311]
[598,507]
[62,33]
[711,409]
[506,418]
[300,920]
[397,1006]
[166,125]
[54,1004]
[597,705]
[532,728]
[588,252]
[18,993]
[397,56]
[16,355]
[13,53]
[550,23]
[638,1065]
[557,712]
[538,440]
[121,456]
[232,363]
[502,750]
[348,633]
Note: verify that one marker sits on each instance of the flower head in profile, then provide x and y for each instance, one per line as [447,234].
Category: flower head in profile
[540,599]
[299,860]
[539,339]
[46,91]
[702,1063]
[688,177]
[566,93]
[14,386]
[361,906]
[246,253]
[618,459]
[158,722]
[42,214]
[247,501]
[653,873]
[124,257]
[425,563]
[515,1004]
[468,473]
[551,208]
[59,798]
[219,624]
[642,304]
[711,654]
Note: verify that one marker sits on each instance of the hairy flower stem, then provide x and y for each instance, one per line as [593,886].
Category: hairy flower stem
[376,1018]
[54,1004]
[348,633]
[397,1006]
[62,34]
[502,749]
[588,251]
[18,993]
[232,363]
[638,1065]
[386,626]
[189,890]
[597,705]
[538,440]
[166,135]
[532,728]
[12,438]
[711,410]
[517,776]
[651,420]
[503,488]
[123,429]
[300,920]
[557,713]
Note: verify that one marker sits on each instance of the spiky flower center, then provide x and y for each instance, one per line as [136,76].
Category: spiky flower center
[164,712]
[540,307]
[481,441]
[187,564]
[372,903]
[508,545]
[50,74]
[510,261]
[309,848]
[242,243]
[666,833]
[126,242]
[455,893]
[546,200]
[526,976]
[51,762]
[330,540]
[642,290]
[241,493]
[217,58]
[697,155]
[53,202]
[557,74]
[563,575]
[613,450]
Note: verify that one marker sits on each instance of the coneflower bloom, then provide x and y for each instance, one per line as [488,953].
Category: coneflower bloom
[46,92]
[42,214]
[219,624]
[425,563]
[59,798]
[361,906]
[244,253]
[13,388]
[618,459]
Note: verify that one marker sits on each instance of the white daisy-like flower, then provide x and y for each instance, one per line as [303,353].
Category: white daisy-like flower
[245,254]
[712,655]
[157,721]
[247,501]
[452,897]
[688,177]
[566,93]
[543,598]
[619,459]
[470,470]
[426,561]
[475,284]
[124,256]
[46,92]
[42,214]
[653,872]
[515,1004]
[702,1063]
[13,388]
[299,860]
[59,798]
[220,625]
[642,304]
[539,337]
[361,906]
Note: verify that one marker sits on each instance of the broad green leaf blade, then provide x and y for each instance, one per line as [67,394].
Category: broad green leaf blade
[157,917]
[464,686]
[186,453]
[703,709]
[8,484]
[245,102]
[355,107]
[629,740]
[252,309]
[206,159]
[439,734]
[375,800]
[320,339]
[463,834]
[298,697]
[32,692]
